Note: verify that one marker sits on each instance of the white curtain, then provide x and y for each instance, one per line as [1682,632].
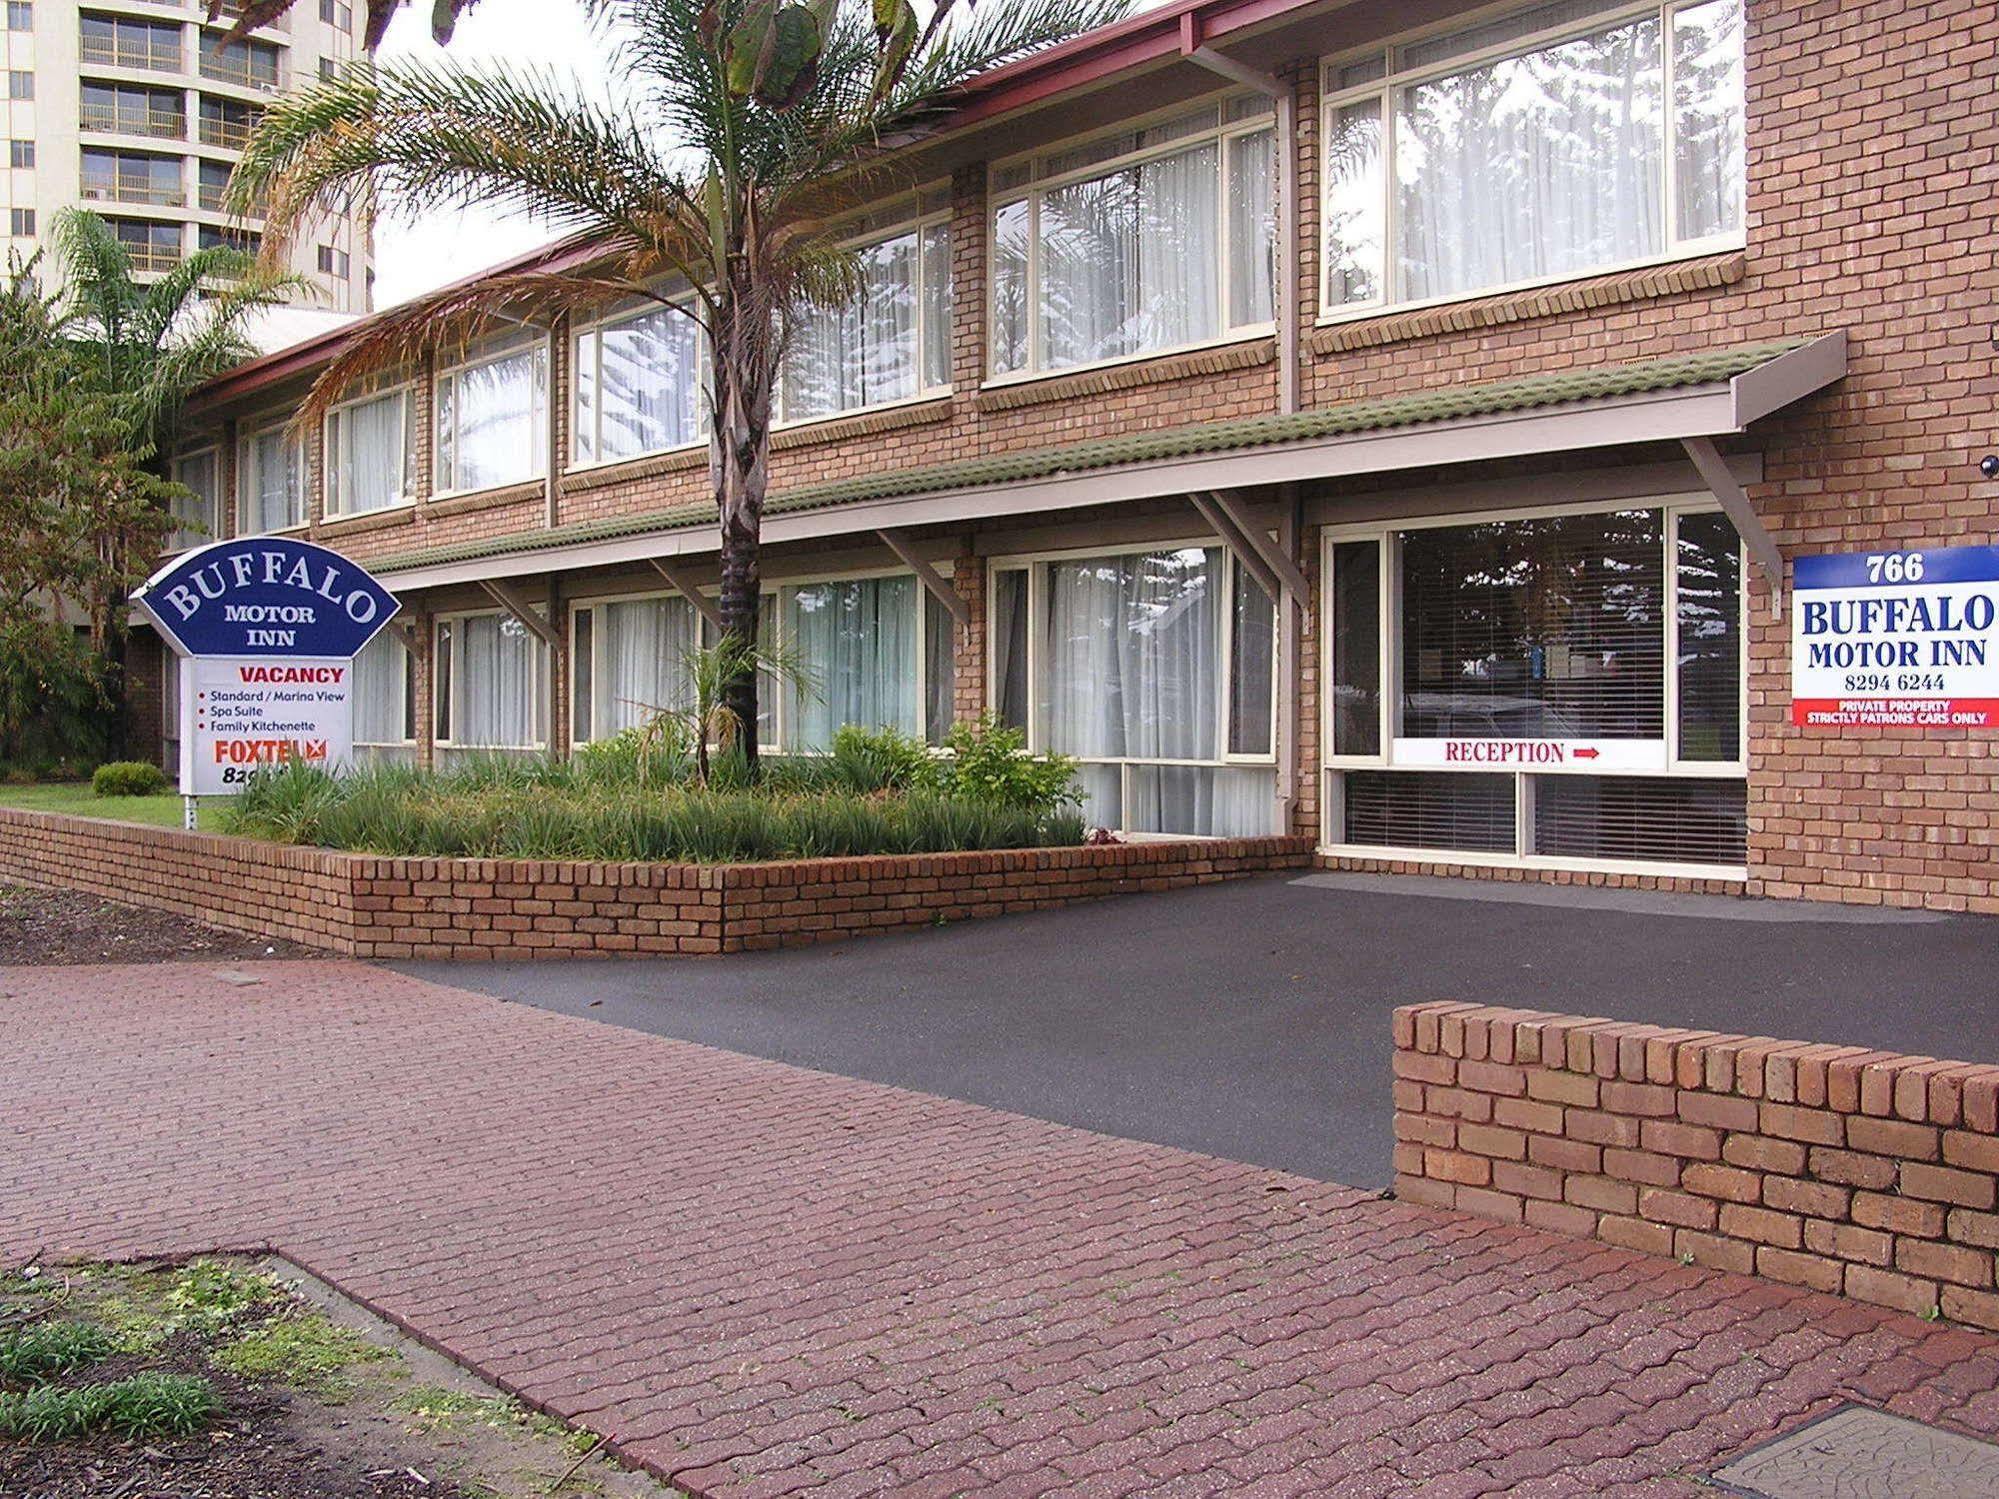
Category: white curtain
[642,648]
[1252,229]
[857,640]
[1011,293]
[379,688]
[1205,801]
[1008,635]
[1542,165]
[936,275]
[491,422]
[648,384]
[940,669]
[272,496]
[196,516]
[369,454]
[1134,655]
[498,687]
[1708,115]
[863,352]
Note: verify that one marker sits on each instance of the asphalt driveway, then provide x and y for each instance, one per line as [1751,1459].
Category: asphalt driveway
[1251,1020]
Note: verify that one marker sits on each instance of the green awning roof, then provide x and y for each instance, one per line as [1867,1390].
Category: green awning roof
[1451,403]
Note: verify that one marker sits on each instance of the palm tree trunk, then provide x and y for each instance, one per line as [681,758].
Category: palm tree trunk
[739,466]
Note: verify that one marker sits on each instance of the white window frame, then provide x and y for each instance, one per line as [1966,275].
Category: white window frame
[915,223]
[443,485]
[538,657]
[1234,575]
[1386,534]
[594,330]
[1386,89]
[1221,135]
[246,469]
[213,452]
[335,505]
[583,733]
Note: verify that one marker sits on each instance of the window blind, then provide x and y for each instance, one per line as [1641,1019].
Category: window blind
[1683,821]
[1412,809]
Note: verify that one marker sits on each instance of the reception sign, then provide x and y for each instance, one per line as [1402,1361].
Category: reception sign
[1906,640]
[267,629]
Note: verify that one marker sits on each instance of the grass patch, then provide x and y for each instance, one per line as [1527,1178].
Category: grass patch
[432,1408]
[296,1347]
[76,799]
[44,1350]
[144,1406]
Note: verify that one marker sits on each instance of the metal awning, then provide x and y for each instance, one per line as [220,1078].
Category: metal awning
[1687,399]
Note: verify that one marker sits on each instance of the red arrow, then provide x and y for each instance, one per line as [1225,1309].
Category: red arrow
[1586,754]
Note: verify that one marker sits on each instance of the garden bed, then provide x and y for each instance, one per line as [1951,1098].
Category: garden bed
[66,926]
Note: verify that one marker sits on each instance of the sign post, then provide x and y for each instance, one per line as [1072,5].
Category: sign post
[267,629]
[1903,640]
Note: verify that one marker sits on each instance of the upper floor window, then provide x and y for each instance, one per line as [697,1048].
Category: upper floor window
[891,342]
[1149,239]
[129,110]
[270,480]
[197,515]
[370,454]
[337,13]
[638,385]
[492,420]
[132,177]
[1533,148]
[20,84]
[226,122]
[20,15]
[118,43]
[248,62]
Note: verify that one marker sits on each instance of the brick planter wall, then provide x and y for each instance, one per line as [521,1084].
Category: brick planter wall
[366,906]
[1862,1172]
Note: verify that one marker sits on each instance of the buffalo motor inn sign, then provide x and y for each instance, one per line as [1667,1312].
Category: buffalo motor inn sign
[267,629]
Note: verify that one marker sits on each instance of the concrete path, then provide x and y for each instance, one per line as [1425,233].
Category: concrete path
[762,1280]
[1250,1020]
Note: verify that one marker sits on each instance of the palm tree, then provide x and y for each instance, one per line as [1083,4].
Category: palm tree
[751,120]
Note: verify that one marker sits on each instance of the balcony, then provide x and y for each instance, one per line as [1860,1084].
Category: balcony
[161,127]
[153,257]
[231,134]
[134,192]
[214,196]
[239,71]
[99,52]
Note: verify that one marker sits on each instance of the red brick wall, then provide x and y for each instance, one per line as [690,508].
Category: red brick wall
[372,907]
[1867,1173]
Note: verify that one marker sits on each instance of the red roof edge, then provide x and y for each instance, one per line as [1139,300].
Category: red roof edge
[1147,37]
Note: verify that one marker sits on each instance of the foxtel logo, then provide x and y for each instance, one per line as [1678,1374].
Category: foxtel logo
[269,751]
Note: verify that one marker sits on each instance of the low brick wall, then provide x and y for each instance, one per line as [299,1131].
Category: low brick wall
[1866,1173]
[367,906]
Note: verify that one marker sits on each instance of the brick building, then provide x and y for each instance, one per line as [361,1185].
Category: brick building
[1389,424]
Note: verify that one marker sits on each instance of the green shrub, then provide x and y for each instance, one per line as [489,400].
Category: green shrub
[128,778]
[881,760]
[144,1406]
[43,1350]
[56,707]
[990,763]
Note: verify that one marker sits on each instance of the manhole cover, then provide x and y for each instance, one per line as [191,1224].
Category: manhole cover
[1858,1453]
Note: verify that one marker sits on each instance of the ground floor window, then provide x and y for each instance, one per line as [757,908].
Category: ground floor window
[384,700]
[169,710]
[875,652]
[489,674]
[1155,669]
[1558,686]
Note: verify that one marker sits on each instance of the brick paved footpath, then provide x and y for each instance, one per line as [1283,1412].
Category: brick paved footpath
[762,1280]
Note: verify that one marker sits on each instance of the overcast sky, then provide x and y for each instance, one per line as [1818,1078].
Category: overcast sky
[414,257]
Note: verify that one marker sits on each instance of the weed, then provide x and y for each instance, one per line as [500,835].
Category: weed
[32,1354]
[434,1408]
[144,1406]
[296,1347]
[207,1296]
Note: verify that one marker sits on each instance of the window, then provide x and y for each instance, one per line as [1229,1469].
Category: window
[337,13]
[492,421]
[169,710]
[210,237]
[371,454]
[21,223]
[198,516]
[384,695]
[226,122]
[153,247]
[639,386]
[1150,239]
[489,670]
[1561,686]
[1132,663]
[132,177]
[250,63]
[20,15]
[1548,144]
[119,43]
[329,69]
[127,110]
[891,343]
[270,481]
[861,642]
[20,84]
[629,662]
[333,261]
[20,153]
[213,185]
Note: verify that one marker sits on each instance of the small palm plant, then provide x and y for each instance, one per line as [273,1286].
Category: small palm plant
[754,117]
[707,725]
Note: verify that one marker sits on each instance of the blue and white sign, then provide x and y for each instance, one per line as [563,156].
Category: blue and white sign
[267,629]
[1905,640]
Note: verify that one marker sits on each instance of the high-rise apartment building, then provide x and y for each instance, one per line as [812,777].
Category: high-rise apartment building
[138,109]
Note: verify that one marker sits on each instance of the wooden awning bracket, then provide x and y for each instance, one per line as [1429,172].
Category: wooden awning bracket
[1714,472]
[706,607]
[510,599]
[1279,576]
[935,583]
